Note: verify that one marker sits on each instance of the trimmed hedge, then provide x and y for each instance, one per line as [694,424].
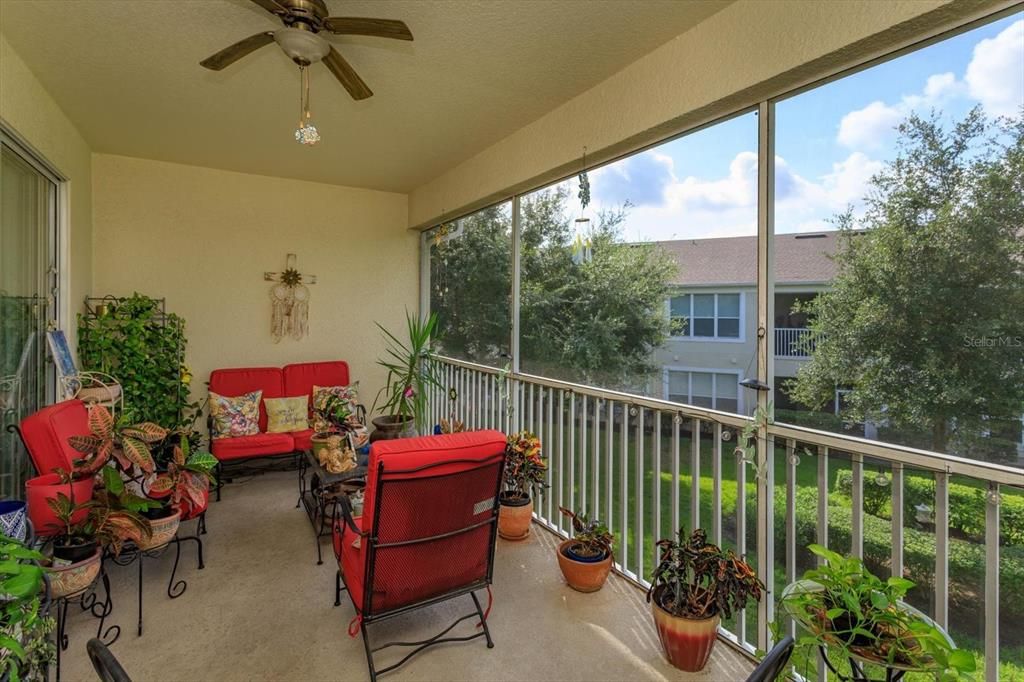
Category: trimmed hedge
[966,505]
[966,559]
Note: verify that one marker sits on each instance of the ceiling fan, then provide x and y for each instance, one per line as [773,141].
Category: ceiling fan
[300,39]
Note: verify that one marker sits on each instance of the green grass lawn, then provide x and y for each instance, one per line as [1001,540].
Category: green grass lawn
[656,492]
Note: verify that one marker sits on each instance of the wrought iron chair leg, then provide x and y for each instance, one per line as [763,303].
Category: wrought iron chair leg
[483,621]
[220,479]
[176,589]
[140,559]
[369,652]
[202,523]
[337,588]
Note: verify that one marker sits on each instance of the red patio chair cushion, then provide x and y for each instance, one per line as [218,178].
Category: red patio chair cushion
[303,439]
[252,446]
[46,434]
[242,380]
[418,504]
[300,378]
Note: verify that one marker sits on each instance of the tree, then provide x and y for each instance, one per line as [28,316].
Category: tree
[597,321]
[924,322]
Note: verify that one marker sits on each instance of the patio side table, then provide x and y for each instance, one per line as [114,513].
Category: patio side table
[317,494]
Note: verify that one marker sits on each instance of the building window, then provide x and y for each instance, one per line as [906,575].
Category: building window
[706,316]
[717,390]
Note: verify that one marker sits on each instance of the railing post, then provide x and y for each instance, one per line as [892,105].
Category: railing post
[992,583]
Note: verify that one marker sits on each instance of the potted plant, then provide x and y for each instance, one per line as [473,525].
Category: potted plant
[336,413]
[859,618]
[524,474]
[25,646]
[185,485]
[694,585]
[412,371]
[75,562]
[586,558]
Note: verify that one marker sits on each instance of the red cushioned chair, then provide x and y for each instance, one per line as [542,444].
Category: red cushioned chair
[45,436]
[426,535]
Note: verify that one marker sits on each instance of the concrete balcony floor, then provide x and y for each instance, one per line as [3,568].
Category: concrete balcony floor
[262,609]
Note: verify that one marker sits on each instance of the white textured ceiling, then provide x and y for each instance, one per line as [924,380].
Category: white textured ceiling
[127,74]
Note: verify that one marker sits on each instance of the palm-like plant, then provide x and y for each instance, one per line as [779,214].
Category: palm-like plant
[412,370]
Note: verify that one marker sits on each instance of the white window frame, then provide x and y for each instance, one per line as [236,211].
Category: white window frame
[713,371]
[742,338]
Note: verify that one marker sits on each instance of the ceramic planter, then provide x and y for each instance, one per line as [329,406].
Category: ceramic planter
[391,428]
[164,530]
[514,517]
[583,576]
[42,488]
[14,519]
[65,580]
[687,642]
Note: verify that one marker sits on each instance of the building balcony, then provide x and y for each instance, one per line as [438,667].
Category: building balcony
[793,342]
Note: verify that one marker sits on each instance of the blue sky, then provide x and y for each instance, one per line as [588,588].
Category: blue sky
[829,141]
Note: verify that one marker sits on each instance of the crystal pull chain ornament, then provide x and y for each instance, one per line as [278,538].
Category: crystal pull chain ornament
[306,133]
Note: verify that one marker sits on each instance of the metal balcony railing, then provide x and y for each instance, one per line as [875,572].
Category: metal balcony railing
[647,467]
[793,342]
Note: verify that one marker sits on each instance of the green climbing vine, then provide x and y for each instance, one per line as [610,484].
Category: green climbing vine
[144,349]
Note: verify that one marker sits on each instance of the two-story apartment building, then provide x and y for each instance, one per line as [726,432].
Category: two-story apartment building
[713,313]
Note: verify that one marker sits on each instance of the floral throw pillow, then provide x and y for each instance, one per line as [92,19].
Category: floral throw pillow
[233,417]
[321,394]
[285,415]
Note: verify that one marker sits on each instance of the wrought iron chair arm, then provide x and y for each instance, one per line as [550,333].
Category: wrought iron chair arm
[344,508]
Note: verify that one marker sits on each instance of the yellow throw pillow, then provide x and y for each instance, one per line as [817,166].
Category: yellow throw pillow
[287,414]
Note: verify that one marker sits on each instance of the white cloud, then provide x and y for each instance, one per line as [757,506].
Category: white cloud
[995,76]
[866,127]
[869,128]
[701,207]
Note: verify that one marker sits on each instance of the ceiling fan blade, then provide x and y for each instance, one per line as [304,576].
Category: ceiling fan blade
[347,75]
[230,55]
[363,26]
[271,7]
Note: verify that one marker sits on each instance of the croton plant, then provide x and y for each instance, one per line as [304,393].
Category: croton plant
[186,480]
[125,444]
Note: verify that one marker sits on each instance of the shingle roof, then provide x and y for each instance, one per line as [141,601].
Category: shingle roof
[733,260]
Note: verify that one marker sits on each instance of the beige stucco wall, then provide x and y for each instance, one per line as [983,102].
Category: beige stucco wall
[749,51]
[34,117]
[203,238]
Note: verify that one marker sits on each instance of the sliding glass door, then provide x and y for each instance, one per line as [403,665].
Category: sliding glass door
[29,289]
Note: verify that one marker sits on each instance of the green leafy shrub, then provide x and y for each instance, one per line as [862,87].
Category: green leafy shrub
[145,351]
[966,505]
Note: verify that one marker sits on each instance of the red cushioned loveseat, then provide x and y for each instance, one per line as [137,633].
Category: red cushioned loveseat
[275,382]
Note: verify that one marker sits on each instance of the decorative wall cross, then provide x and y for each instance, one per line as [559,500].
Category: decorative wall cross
[289,300]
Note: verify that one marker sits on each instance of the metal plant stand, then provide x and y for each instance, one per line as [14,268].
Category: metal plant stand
[88,600]
[133,554]
[317,494]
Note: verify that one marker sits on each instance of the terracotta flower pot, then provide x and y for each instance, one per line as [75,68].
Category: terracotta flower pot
[65,580]
[583,576]
[42,488]
[514,517]
[163,531]
[391,428]
[687,642]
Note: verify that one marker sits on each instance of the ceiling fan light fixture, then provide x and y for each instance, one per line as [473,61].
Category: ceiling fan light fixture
[303,47]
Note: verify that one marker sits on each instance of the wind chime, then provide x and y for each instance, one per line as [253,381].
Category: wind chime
[583,242]
[289,299]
